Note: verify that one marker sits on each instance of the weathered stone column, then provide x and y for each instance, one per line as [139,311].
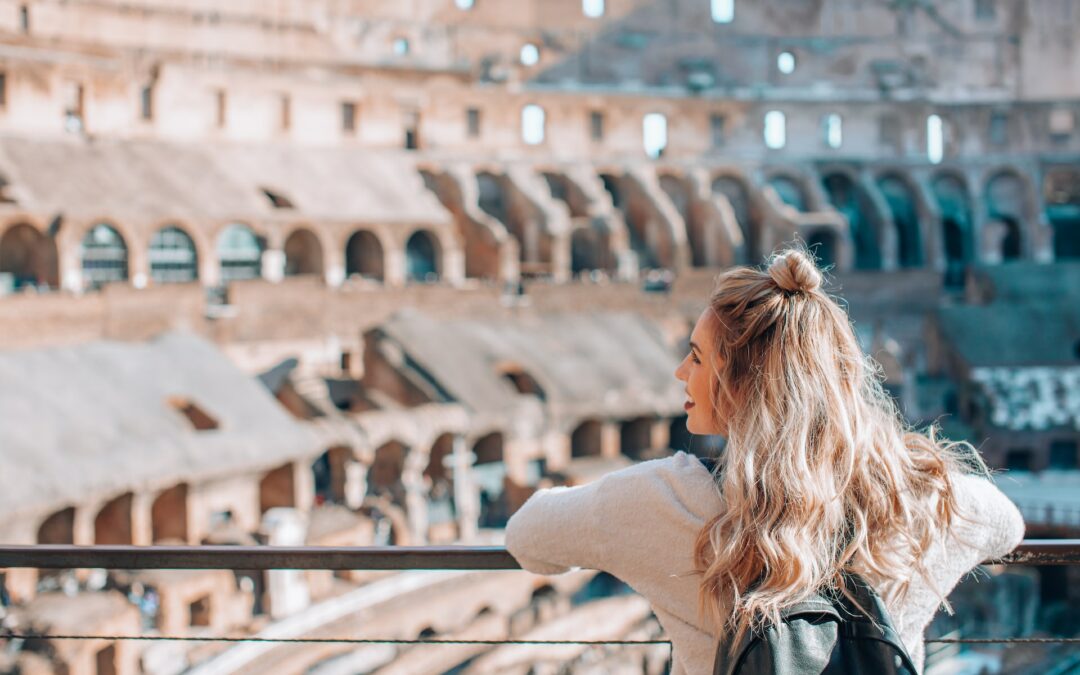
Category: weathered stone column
[466,497]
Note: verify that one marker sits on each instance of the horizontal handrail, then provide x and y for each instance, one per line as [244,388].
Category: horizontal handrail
[50,556]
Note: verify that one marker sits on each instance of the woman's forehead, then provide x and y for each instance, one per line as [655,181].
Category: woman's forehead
[703,329]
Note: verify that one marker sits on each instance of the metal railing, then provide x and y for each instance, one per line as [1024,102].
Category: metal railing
[1030,552]
[397,558]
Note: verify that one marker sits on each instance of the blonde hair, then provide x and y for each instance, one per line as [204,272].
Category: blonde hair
[820,474]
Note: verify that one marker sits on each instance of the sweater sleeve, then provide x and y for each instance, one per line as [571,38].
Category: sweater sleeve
[554,531]
[988,522]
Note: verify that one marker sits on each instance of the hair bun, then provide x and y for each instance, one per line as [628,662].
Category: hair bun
[794,271]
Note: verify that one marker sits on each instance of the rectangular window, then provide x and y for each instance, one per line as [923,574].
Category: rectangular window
[146,100]
[1019,459]
[999,128]
[472,122]
[412,129]
[717,124]
[286,112]
[1061,122]
[348,117]
[73,107]
[3,89]
[596,125]
[24,18]
[221,111]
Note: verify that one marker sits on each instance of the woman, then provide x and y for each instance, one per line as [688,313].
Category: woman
[820,476]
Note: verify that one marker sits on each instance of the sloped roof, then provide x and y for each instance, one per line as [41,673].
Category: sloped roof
[95,420]
[150,181]
[604,364]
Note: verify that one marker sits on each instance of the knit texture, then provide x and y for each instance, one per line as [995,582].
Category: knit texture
[640,525]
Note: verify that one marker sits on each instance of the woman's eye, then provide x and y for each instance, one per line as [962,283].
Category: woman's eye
[694,358]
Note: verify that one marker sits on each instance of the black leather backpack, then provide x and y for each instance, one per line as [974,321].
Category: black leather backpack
[822,636]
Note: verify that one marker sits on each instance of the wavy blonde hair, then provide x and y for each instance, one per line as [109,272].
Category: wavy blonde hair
[821,474]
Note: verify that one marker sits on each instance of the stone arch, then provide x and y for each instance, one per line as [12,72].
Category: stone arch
[173,256]
[822,242]
[900,197]
[847,197]
[957,225]
[103,255]
[303,253]
[239,251]
[489,471]
[113,523]
[169,515]
[790,189]
[423,257]
[1061,194]
[737,192]
[568,192]
[587,439]
[333,477]
[364,256]
[29,256]
[1006,197]
[442,448]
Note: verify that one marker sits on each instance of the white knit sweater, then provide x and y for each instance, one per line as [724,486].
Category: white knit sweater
[640,524]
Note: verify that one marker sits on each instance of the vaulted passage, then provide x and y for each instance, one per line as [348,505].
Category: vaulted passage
[853,204]
[1006,199]
[905,214]
[956,225]
[1062,196]
[364,256]
[303,253]
[29,257]
[739,198]
[422,258]
[648,239]
[822,243]
[790,191]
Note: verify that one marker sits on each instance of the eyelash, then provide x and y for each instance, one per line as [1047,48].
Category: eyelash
[694,358]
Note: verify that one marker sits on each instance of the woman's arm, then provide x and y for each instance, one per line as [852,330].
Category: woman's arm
[555,530]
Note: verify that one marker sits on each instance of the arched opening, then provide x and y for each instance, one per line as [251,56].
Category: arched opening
[278,488]
[648,239]
[330,475]
[173,258]
[169,515]
[587,439]
[635,437]
[489,471]
[491,199]
[739,198]
[822,243]
[364,256]
[104,256]
[239,253]
[566,191]
[789,190]
[29,257]
[385,474]
[1061,190]
[679,194]
[303,253]
[952,199]
[112,526]
[422,258]
[59,528]
[850,201]
[1006,199]
[588,250]
[905,214]
[523,382]
[438,470]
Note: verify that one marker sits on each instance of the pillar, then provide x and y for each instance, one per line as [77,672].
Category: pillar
[466,498]
[273,265]
[287,590]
